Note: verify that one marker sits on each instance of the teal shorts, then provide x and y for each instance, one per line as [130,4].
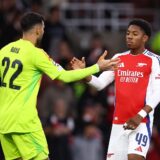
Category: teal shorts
[27,146]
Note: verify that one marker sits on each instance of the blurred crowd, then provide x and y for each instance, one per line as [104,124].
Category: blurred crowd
[76,118]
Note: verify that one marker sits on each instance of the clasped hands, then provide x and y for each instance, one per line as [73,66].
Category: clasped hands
[104,64]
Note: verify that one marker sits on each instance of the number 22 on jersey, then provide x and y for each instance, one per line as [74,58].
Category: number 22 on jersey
[8,64]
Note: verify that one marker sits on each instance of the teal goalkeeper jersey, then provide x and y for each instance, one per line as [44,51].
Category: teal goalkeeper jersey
[21,68]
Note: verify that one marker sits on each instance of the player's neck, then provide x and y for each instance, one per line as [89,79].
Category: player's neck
[137,51]
[30,37]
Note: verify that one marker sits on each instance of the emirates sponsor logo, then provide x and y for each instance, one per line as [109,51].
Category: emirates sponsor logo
[129,73]
[129,76]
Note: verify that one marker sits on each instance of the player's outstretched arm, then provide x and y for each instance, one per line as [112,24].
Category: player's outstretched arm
[79,64]
[78,74]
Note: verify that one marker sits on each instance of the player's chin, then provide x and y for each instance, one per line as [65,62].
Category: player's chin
[130,46]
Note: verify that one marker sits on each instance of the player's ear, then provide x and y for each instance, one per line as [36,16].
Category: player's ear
[145,38]
[38,29]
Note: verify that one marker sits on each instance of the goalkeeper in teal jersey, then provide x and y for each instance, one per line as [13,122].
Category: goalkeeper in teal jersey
[22,64]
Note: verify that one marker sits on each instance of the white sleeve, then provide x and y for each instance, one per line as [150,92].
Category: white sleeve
[103,80]
[153,90]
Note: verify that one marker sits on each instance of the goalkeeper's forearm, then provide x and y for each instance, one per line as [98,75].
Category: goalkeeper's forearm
[75,75]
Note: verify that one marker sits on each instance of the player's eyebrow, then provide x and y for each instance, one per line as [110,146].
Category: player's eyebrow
[132,31]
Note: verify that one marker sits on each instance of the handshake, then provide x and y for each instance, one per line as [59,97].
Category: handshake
[104,64]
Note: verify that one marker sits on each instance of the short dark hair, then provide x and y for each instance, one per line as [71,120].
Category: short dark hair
[29,20]
[143,24]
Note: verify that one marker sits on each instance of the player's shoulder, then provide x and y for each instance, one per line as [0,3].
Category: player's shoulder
[121,54]
[17,44]
[40,52]
[26,45]
[152,55]
[32,49]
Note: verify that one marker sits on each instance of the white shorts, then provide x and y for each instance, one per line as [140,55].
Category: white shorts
[124,142]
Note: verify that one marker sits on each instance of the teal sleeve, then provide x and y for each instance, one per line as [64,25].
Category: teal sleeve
[75,75]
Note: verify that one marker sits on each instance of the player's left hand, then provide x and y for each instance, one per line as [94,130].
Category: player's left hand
[133,122]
